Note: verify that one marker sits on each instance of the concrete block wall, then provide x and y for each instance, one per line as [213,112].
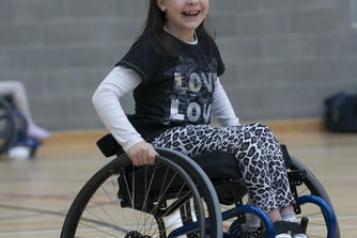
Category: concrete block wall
[283,57]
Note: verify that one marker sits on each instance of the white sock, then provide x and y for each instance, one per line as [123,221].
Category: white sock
[289,216]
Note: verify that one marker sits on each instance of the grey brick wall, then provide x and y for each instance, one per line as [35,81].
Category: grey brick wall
[283,57]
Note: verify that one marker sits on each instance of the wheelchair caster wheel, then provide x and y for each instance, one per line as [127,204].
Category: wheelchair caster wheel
[304,223]
[235,230]
[34,144]
[135,234]
[238,230]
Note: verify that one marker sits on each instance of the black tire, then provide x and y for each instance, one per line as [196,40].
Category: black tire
[207,190]
[7,126]
[312,186]
[86,215]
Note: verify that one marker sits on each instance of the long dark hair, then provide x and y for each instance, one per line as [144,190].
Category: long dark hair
[154,27]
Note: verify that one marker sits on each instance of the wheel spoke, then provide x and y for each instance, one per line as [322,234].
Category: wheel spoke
[99,212]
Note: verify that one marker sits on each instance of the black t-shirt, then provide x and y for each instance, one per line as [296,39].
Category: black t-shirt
[175,91]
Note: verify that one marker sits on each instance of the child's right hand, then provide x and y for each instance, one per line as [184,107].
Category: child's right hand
[142,153]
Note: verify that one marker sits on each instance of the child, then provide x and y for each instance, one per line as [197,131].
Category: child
[173,69]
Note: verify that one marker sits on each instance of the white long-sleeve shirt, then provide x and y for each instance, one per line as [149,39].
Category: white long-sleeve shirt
[120,81]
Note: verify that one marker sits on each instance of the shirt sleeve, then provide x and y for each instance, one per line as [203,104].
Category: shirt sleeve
[106,102]
[222,107]
[142,58]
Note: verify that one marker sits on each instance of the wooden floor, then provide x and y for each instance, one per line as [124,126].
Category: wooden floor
[35,194]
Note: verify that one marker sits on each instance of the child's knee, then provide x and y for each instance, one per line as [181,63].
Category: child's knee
[263,130]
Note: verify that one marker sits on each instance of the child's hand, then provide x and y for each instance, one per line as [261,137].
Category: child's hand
[142,153]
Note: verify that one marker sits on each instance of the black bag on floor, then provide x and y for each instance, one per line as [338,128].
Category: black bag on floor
[341,113]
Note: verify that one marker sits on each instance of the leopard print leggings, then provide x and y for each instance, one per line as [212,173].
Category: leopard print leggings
[255,148]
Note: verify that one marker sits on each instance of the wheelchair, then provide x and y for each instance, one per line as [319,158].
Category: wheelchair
[180,196]
[13,128]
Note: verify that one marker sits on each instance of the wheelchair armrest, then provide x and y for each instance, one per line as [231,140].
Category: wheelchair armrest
[109,146]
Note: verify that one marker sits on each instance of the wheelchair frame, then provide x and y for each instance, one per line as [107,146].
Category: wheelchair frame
[7,120]
[14,128]
[298,175]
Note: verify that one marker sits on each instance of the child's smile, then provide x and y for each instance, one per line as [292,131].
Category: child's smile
[191,13]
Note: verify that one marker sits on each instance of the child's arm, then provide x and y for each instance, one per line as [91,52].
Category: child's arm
[222,107]
[106,102]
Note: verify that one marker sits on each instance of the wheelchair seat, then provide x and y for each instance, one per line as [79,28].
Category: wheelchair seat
[221,167]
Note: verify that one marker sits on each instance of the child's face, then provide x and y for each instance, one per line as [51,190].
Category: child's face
[184,15]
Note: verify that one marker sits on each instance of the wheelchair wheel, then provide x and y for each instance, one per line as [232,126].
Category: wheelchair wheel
[121,200]
[310,185]
[7,126]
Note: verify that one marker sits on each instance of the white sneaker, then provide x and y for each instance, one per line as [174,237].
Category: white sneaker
[300,236]
[283,235]
[173,221]
[19,152]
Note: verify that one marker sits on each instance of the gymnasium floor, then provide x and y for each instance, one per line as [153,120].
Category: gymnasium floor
[35,194]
